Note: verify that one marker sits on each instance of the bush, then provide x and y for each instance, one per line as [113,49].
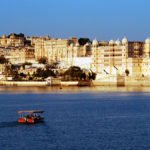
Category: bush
[3,60]
[127,72]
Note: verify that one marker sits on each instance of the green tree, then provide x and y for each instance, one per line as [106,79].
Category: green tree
[74,73]
[22,75]
[26,64]
[44,73]
[93,77]
[8,69]
[53,65]
[14,72]
[3,60]
[127,72]
[21,35]
[83,41]
[43,60]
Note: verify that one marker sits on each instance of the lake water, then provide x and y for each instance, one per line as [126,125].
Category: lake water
[76,120]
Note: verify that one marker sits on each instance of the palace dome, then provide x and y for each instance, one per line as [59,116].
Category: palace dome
[4,36]
[111,42]
[124,40]
[95,42]
[12,36]
[117,42]
[147,41]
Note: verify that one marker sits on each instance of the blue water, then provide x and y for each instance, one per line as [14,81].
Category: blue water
[77,121]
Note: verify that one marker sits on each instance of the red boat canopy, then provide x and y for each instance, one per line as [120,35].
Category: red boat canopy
[30,111]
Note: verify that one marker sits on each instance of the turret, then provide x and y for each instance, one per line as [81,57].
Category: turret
[146,49]
[95,42]
[124,41]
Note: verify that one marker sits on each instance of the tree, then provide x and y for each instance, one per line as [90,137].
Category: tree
[83,41]
[93,77]
[44,73]
[53,65]
[43,60]
[8,70]
[22,75]
[26,64]
[74,72]
[21,35]
[3,60]
[127,72]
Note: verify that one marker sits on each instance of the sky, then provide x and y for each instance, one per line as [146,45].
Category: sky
[100,19]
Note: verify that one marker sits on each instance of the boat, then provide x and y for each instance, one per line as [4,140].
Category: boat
[30,116]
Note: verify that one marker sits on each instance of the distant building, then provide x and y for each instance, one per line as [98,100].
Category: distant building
[29,54]
[12,40]
[110,58]
[56,50]
[17,55]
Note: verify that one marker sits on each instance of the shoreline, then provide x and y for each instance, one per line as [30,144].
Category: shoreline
[94,83]
[70,89]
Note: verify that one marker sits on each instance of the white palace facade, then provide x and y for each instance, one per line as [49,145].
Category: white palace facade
[65,51]
[104,58]
[118,57]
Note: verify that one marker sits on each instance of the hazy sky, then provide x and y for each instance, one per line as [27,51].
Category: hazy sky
[103,19]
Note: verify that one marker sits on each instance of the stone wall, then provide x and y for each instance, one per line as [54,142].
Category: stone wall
[122,81]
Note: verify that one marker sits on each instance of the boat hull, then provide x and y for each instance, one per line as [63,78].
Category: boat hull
[30,120]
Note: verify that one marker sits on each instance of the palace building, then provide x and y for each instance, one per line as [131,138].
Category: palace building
[116,57]
[17,55]
[58,50]
[12,40]
[120,57]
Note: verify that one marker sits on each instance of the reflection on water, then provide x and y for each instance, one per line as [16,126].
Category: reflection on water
[71,89]
[12,124]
